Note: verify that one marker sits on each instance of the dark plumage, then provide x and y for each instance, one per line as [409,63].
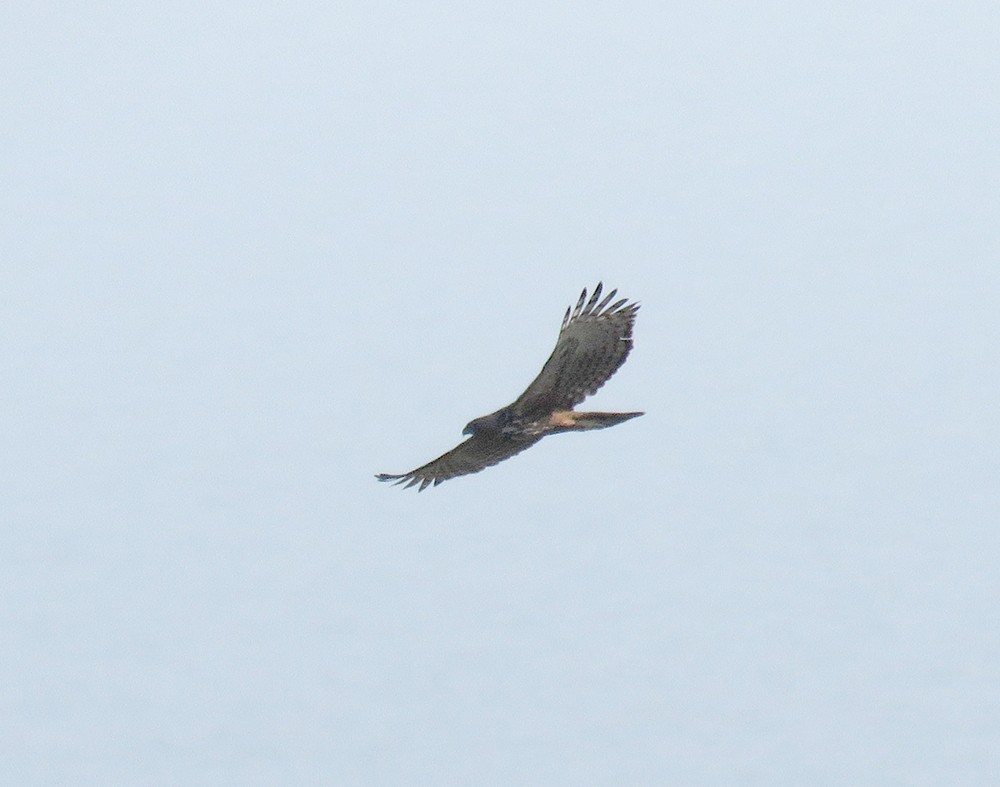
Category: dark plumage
[594,341]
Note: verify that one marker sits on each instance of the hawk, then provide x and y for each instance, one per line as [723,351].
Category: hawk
[594,340]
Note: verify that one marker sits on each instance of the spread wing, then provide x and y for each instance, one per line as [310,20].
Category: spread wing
[593,342]
[480,451]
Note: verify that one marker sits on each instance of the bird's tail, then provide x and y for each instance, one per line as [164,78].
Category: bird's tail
[600,420]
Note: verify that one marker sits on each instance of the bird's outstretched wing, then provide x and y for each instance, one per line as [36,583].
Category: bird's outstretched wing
[478,452]
[593,342]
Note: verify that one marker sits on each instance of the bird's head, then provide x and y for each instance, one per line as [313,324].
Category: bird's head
[494,422]
[485,423]
[473,426]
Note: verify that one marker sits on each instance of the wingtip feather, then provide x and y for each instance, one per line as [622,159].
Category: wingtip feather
[593,298]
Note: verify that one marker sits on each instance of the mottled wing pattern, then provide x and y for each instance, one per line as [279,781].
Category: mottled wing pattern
[595,339]
[480,451]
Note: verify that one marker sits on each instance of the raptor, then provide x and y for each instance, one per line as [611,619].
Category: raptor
[594,341]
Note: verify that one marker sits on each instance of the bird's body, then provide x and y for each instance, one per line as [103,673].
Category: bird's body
[593,343]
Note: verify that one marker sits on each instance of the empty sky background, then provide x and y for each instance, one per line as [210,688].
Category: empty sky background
[254,254]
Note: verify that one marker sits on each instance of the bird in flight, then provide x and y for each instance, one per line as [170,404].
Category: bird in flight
[595,339]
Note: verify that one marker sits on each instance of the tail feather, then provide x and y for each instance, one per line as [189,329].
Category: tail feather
[600,420]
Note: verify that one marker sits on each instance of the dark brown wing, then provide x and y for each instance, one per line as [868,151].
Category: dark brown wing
[593,342]
[478,452]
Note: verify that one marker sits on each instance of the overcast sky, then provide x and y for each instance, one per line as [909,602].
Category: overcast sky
[254,255]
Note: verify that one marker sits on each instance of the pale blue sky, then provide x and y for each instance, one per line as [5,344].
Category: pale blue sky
[256,254]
